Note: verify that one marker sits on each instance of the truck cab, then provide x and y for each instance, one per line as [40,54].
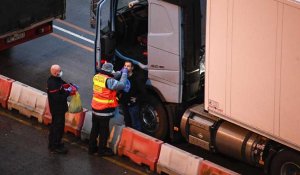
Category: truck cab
[163,39]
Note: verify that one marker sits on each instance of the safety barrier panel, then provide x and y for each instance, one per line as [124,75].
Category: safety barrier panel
[47,117]
[5,88]
[118,119]
[27,100]
[114,137]
[209,168]
[139,147]
[175,161]
[74,122]
[87,126]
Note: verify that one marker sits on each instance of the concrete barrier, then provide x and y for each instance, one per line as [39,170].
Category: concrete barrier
[114,137]
[175,161]
[27,100]
[87,126]
[118,119]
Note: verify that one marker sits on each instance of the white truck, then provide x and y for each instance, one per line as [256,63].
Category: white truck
[249,85]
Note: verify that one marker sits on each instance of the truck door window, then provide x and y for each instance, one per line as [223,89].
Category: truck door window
[132,29]
[105,16]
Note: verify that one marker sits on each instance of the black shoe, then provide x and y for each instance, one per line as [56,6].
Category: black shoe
[60,150]
[51,147]
[106,152]
[61,145]
[92,152]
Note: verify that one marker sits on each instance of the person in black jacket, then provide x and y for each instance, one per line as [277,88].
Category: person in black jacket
[57,98]
[131,100]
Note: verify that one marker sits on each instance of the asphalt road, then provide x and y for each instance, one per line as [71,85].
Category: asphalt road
[23,145]
[29,63]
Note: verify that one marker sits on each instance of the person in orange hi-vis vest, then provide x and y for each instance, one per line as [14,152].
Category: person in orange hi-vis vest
[104,102]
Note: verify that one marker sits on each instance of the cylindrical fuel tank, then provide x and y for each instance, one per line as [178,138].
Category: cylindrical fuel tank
[240,143]
[214,134]
[230,138]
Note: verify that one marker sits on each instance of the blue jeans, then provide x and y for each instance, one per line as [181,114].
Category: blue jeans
[135,117]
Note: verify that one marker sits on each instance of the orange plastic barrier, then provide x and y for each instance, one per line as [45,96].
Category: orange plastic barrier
[47,118]
[139,147]
[209,168]
[5,87]
[74,122]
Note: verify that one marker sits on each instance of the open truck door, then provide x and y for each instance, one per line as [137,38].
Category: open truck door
[148,33]
[105,39]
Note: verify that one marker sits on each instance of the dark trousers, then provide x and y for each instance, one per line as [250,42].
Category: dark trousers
[56,130]
[135,117]
[132,116]
[126,115]
[100,127]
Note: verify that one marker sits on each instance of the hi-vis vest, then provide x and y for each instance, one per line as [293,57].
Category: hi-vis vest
[103,97]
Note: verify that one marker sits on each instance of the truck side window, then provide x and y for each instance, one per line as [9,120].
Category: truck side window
[132,29]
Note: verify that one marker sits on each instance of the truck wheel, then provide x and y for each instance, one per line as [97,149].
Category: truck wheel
[285,162]
[154,118]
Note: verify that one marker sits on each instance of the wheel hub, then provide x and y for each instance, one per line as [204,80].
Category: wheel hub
[150,119]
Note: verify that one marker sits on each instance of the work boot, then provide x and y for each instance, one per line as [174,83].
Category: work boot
[105,152]
[62,144]
[51,147]
[92,151]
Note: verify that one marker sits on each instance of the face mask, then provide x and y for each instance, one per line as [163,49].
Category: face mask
[60,74]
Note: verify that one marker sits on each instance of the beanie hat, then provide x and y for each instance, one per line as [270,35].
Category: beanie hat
[107,67]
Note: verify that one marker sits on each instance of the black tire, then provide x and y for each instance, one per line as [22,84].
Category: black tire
[285,162]
[154,118]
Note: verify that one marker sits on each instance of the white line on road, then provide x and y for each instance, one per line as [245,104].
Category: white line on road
[73,34]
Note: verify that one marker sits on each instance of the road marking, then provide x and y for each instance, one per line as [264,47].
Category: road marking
[73,42]
[75,27]
[118,163]
[73,34]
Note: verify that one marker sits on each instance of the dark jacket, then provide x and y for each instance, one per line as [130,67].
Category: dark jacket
[57,96]
[137,91]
